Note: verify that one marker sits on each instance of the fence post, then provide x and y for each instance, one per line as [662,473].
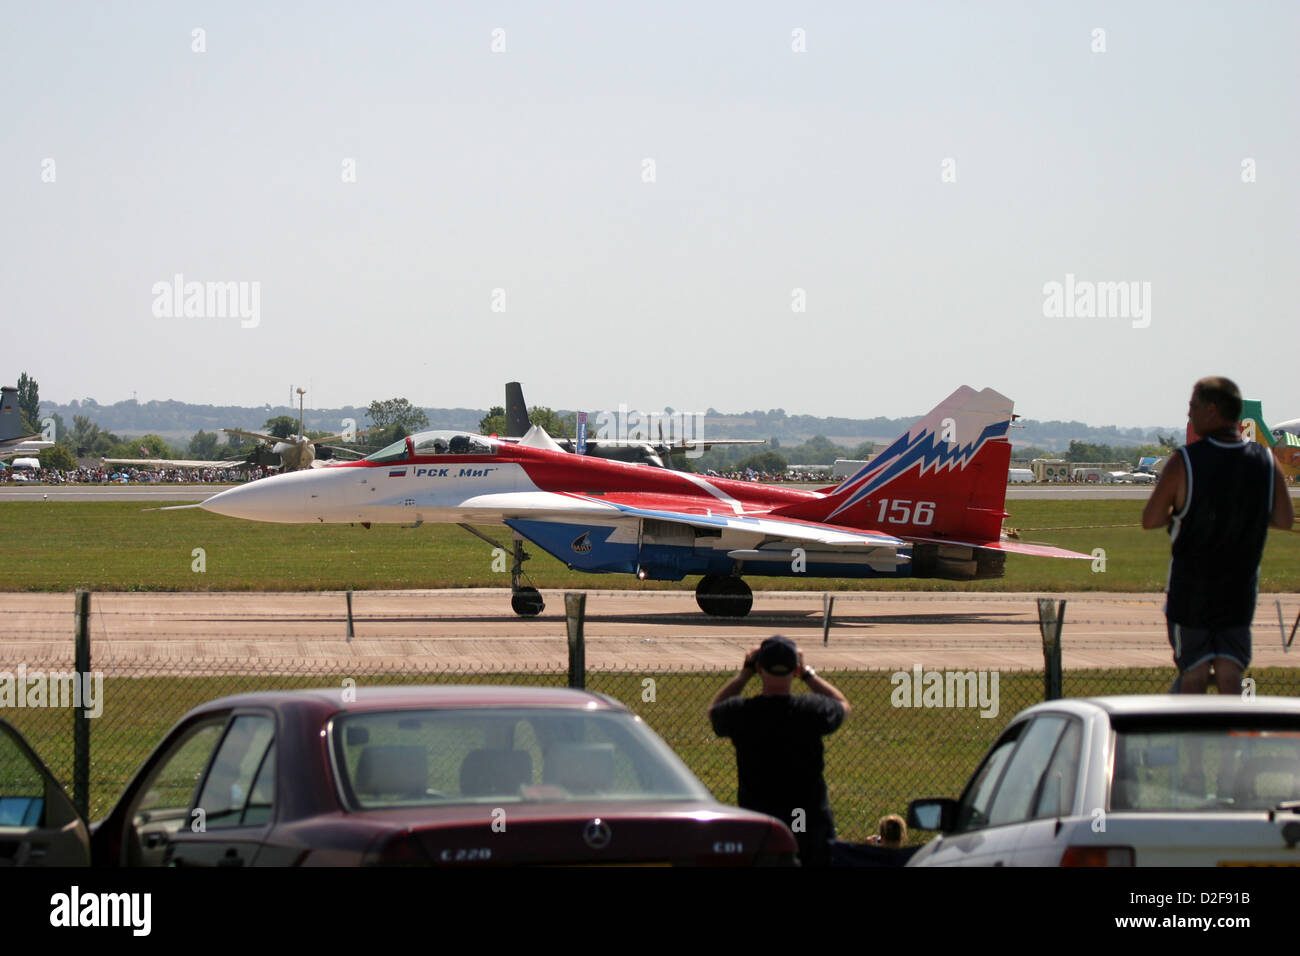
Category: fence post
[80,721]
[575,606]
[828,605]
[349,640]
[1051,615]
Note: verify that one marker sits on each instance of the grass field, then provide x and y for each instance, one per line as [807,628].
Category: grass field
[59,546]
[882,757]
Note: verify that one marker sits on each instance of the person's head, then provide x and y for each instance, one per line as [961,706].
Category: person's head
[892,830]
[1215,404]
[777,660]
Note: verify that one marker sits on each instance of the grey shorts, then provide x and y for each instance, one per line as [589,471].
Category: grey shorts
[1194,646]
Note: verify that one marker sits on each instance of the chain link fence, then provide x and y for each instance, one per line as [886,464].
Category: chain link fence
[905,738]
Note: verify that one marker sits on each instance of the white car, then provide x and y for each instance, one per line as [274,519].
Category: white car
[1204,780]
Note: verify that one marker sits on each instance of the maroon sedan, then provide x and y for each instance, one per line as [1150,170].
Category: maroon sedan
[426,776]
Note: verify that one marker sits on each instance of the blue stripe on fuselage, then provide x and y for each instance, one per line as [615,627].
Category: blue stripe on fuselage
[595,554]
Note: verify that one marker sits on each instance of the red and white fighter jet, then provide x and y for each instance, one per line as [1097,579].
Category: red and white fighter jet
[931,505]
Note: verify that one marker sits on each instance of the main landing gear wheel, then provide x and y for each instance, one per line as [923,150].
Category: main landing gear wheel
[527,602]
[720,596]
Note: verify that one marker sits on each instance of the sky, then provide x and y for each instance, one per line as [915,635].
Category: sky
[832,208]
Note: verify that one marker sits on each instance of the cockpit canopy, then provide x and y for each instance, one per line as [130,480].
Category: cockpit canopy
[435,443]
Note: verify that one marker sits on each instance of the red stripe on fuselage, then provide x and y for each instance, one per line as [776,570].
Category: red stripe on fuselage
[562,472]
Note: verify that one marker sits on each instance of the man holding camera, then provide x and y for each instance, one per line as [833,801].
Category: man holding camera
[778,740]
[1218,496]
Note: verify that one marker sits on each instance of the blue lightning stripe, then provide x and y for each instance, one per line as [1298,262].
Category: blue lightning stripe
[760,524]
[927,450]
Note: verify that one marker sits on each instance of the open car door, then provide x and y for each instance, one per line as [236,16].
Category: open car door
[38,824]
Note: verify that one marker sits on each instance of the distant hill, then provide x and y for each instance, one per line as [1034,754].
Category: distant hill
[178,421]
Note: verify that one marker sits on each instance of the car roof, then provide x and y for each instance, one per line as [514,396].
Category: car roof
[377,698]
[1148,705]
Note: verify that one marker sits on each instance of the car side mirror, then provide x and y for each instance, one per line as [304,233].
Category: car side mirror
[932,814]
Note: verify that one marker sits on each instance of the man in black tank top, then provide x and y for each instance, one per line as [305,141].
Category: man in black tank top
[1218,496]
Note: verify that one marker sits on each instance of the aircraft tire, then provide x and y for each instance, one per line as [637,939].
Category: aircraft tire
[724,597]
[527,602]
[708,584]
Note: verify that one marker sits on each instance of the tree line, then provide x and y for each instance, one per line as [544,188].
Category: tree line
[395,418]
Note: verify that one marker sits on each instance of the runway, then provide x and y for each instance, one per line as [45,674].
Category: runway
[474,629]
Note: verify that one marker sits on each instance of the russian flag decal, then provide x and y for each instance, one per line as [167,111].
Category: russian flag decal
[397,473]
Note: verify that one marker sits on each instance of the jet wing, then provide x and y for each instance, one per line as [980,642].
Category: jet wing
[172,462]
[258,435]
[772,530]
[742,537]
[340,437]
[26,447]
[340,450]
[665,447]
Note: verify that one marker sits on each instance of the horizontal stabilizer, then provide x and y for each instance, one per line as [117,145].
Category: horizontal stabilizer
[1008,547]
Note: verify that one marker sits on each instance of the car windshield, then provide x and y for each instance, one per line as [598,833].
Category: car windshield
[412,758]
[1213,765]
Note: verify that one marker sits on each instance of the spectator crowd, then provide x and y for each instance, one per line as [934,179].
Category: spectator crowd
[110,474]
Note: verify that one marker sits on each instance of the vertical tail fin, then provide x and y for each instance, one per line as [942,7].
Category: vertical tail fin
[1284,445]
[945,477]
[517,423]
[1252,423]
[11,419]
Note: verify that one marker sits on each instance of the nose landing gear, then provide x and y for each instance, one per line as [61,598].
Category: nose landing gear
[525,601]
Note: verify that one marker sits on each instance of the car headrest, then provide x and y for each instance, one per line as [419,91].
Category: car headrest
[580,768]
[392,769]
[495,772]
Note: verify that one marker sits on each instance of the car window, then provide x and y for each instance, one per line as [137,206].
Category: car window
[415,757]
[1015,794]
[258,808]
[1224,763]
[172,782]
[22,788]
[1056,791]
[972,812]
[229,784]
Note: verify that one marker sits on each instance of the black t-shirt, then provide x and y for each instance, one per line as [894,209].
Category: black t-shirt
[779,764]
[1218,537]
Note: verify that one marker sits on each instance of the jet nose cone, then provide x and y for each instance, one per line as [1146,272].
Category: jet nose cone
[256,501]
[282,498]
